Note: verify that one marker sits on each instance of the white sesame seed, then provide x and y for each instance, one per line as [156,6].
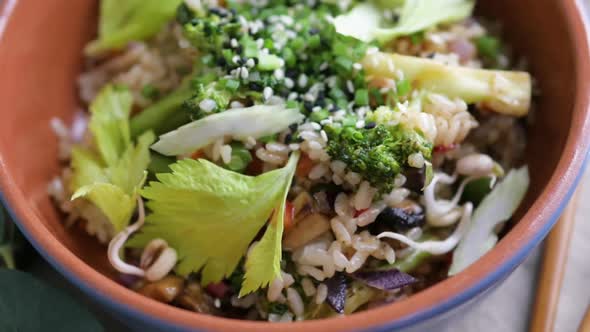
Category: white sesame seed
[293,96]
[357,66]
[316,109]
[235,59]
[236,104]
[207,105]
[360,124]
[324,135]
[302,81]
[326,121]
[234,43]
[244,73]
[260,42]
[324,66]
[289,84]
[279,74]
[267,92]
[250,63]
[315,125]
[350,86]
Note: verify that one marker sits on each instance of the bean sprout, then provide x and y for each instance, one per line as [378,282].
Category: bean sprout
[437,247]
[119,240]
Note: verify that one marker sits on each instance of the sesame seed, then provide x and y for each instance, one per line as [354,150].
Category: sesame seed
[324,135]
[250,63]
[302,81]
[236,104]
[236,59]
[360,124]
[244,73]
[289,84]
[207,105]
[324,66]
[267,92]
[350,86]
[316,109]
[293,96]
[357,66]
[234,43]
[279,74]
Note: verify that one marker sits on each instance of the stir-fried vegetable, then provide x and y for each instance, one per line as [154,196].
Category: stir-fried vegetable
[497,207]
[111,178]
[240,123]
[211,215]
[129,20]
[507,92]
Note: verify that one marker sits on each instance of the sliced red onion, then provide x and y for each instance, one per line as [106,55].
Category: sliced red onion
[385,280]
[463,48]
[336,292]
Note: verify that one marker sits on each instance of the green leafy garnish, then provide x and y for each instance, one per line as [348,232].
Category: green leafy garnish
[130,20]
[211,215]
[366,22]
[111,176]
[27,304]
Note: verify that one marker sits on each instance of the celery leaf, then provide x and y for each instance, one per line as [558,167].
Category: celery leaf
[111,175]
[130,20]
[211,215]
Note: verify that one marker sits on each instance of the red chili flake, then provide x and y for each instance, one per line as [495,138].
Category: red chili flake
[359,212]
[445,148]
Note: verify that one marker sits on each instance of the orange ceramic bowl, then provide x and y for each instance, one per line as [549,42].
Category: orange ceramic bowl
[40,57]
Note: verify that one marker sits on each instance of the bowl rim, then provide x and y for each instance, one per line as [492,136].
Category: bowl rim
[440,298]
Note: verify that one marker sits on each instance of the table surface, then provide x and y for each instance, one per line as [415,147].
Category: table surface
[506,309]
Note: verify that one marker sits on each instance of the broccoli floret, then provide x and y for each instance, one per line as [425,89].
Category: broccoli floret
[378,154]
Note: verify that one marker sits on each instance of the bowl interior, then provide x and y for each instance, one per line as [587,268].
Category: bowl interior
[40,58]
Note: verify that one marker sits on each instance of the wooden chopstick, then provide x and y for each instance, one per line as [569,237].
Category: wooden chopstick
[552,271]
[585,325]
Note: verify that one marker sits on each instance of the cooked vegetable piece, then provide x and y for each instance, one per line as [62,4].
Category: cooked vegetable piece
[507,92]
[497,207]
[306,230]
[240,123]
[385,279]
[200,205]
[336,292]
[130,20]
[366,21]
[111,178]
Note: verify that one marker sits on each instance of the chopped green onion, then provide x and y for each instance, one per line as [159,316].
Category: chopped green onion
[488,46]
[361,97]
[403,87]
[232,85]
[240,158]
[269,62]
[268,138]
[319,115]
